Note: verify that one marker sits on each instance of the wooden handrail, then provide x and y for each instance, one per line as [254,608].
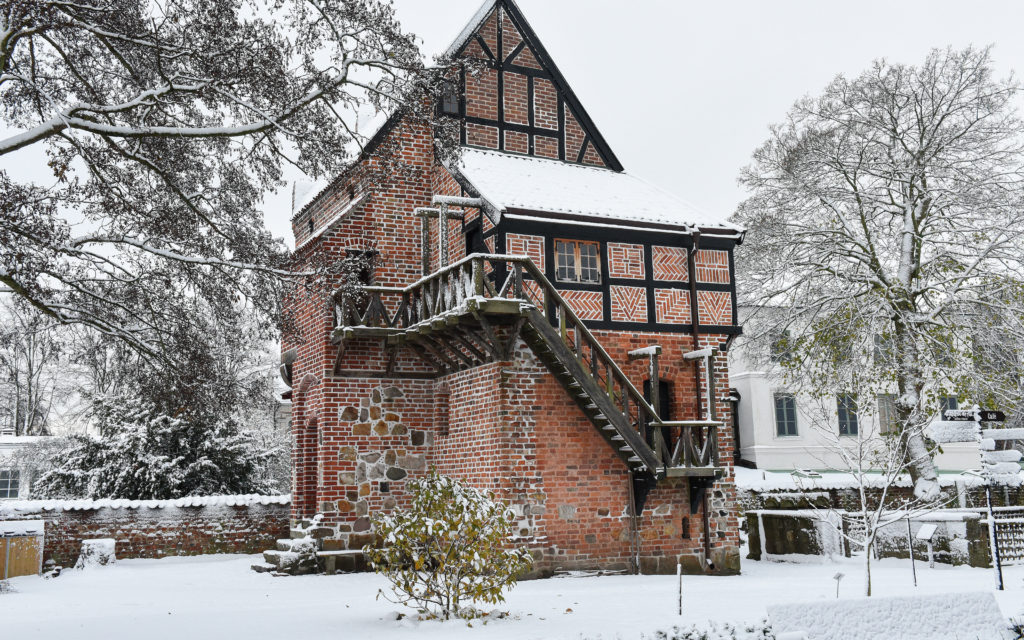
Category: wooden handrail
[443,290]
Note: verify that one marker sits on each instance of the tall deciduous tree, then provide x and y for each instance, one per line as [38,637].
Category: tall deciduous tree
[886,231]
[165,123]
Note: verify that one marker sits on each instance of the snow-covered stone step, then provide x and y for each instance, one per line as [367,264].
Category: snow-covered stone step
[1008,455]
[263,567]
[1003,434]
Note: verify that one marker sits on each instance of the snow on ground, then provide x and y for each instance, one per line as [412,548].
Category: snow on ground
[220,597]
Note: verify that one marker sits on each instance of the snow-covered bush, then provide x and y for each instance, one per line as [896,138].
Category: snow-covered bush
[761,631]
[449,549]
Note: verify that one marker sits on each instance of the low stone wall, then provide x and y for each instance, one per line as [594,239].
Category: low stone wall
[960,495]
[158,528]
[961,537]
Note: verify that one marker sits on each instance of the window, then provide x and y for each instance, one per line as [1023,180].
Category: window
[846,404]
[887,413]
[577,261]
[780,346]
[785,414]
[884,351]
[450,99]
[309,226]
[949,403]
[9,483]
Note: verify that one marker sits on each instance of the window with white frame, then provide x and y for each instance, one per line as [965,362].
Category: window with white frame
[10,480]
[785,414]
[887,422]
[846,407]
[577,261]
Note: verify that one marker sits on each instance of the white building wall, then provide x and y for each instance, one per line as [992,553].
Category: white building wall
[813,446]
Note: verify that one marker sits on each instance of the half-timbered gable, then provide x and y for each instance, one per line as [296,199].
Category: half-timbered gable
[540,322]
[520,102]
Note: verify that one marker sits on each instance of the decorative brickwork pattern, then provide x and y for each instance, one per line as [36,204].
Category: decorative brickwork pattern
[670,264]
[518,244]
[588,305]
[626,260]
[712,266]
[672,306]
[714,307]
[629,304]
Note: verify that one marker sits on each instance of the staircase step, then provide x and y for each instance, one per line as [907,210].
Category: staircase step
[634,459]
[609,427]
[626,448]
[617,438]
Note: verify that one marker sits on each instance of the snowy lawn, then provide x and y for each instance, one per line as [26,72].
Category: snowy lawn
[220,597]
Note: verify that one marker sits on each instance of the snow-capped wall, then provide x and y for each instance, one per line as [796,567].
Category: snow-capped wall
[157,528]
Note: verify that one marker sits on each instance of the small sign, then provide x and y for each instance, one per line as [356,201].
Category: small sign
[970,415]
[926,532]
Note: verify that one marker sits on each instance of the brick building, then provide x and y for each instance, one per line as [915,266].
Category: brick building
[539,322]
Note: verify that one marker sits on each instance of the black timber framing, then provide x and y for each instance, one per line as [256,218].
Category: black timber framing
[566,97]
[549,230]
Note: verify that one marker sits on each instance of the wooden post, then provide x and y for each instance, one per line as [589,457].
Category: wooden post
[425,243]
[478,277]
[442,237]
[910,545]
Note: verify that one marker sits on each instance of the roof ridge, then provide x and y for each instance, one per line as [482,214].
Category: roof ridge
[520,156]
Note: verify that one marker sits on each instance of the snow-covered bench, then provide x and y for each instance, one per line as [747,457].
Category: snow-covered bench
[953,616]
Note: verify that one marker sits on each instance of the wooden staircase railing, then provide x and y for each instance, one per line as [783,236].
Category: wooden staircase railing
[559,337]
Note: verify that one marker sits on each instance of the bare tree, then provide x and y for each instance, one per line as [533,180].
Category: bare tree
[30,370]
[878,464]
[165,123]
[879,212]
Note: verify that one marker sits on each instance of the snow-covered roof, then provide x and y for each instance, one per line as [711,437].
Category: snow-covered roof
[525,183]
[22,528]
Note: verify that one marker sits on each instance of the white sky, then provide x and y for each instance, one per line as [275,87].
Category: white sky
[684,91]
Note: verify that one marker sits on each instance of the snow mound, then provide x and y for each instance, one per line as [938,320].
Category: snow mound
[16,506]
[98,552]
[945,432]
[937,617]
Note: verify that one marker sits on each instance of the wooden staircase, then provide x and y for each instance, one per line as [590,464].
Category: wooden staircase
[472,312]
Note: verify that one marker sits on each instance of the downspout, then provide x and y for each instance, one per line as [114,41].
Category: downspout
[634,528]
[691,264]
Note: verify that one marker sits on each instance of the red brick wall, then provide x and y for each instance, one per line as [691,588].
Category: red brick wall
[147,532]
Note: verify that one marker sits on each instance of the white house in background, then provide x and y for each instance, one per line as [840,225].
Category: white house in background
[780,430]
[14,476]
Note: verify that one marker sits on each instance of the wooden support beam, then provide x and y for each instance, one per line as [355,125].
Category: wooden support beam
[493,342]
[510,342]
[425,343]
[338,357]
[425,356]
[459,336]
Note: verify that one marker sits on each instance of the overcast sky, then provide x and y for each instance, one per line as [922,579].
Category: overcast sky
[685,91]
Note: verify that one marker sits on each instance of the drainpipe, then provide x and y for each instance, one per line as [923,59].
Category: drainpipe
[691,263]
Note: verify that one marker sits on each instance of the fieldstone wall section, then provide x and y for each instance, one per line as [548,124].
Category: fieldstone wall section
[157,528]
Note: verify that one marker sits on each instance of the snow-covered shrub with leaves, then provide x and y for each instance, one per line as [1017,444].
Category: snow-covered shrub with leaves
[762,631]
[448,549]
[142,453]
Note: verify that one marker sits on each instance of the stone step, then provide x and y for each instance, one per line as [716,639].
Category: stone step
[272,557]
[263,567]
